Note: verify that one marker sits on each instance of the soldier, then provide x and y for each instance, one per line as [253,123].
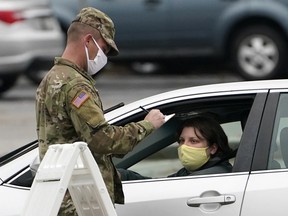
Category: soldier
[69,109]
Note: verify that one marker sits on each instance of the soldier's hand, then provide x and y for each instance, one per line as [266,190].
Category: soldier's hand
[155,117]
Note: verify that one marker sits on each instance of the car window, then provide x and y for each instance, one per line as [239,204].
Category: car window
[157,155]
[166,162]
[278,157]
[159,164]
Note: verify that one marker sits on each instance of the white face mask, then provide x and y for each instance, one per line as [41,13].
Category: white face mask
[98,62]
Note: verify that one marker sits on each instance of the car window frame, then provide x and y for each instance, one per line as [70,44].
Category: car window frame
[247,146]
[243,159]
[264,141]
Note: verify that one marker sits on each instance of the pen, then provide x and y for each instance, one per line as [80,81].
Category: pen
[144,109]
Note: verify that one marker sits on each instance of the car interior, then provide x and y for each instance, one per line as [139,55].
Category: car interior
[157,156]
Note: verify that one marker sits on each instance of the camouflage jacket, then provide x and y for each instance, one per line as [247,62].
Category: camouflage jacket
[69,109]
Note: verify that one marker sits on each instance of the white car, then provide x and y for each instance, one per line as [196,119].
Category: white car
[30,39]
[254,116]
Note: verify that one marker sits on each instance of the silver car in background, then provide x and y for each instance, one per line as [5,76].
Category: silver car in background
[30,38]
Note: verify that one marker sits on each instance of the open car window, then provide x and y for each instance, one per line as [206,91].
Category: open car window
[157,156]
[165,161]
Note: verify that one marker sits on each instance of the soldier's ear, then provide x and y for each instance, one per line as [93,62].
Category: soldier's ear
[87,39]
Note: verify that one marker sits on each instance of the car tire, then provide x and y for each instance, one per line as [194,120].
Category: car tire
[7,82]
[259,52]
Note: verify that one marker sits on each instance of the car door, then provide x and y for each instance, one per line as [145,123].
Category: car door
[220,194]
[204,26]
[267,188]
[195,28]
[184,196]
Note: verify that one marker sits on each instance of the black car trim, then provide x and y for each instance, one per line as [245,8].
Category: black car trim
[243,160]
[18,152]
[261,157]
[15,175]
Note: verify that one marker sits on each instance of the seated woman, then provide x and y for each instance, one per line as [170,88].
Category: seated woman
[203,149]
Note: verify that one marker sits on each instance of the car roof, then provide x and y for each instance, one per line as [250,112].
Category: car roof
[248,86]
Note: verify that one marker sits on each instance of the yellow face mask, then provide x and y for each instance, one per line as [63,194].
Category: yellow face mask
[192,158]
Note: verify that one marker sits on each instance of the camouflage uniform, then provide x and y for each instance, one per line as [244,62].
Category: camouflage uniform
[69,109]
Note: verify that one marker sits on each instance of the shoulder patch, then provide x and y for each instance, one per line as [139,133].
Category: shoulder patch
[80,99]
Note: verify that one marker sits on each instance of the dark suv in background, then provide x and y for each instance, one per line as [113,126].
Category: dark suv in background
[250,34]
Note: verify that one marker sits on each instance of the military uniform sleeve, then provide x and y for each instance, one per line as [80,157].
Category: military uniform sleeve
[90,124]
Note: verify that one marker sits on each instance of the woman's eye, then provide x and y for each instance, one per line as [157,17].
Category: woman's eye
[194,141]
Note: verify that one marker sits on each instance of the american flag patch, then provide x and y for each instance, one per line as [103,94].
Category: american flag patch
[80,99]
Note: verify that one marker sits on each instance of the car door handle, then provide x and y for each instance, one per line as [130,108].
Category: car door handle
[221,199]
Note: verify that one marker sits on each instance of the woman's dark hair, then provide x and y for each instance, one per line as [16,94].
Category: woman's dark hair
[212,131]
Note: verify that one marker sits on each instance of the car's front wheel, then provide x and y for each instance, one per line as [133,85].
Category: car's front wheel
[259,52]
